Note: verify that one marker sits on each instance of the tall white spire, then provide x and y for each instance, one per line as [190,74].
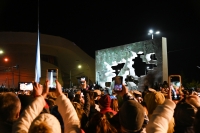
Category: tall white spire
[38,63]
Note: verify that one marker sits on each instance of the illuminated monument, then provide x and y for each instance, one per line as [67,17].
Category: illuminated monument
[145,61]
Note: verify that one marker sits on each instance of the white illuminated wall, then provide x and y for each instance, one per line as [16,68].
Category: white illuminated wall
[107,58]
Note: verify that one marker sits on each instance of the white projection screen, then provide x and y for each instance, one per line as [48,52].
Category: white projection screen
[145,62]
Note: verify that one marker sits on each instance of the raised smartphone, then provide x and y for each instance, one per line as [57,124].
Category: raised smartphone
[118,83]
[52,75]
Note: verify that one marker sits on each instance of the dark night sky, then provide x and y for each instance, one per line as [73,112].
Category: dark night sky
[98,25]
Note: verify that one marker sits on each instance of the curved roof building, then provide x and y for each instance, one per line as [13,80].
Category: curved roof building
[56,52]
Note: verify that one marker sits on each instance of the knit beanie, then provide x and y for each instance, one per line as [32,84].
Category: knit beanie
[45,122]
[105,101]
[131,116]
[152,99]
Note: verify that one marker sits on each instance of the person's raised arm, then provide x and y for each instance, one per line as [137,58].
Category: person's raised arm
[124,93]
[161,116]
[67,111]
[86,106]
[32,110]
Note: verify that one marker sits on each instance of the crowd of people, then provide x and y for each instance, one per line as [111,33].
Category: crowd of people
[94,111]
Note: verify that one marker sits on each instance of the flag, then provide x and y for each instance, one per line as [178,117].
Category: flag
[38,63]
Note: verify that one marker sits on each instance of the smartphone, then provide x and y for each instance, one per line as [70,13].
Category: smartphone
[82,80]
[52,75]
[26,86]
[118,83]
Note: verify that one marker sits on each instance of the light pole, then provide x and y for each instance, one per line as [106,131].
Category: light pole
[79,66]
[88,73]
[151,32]
[13,78]
[17,67]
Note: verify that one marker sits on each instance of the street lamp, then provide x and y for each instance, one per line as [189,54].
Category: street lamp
[88,73]
[79,66]
[1,51]
[151,32]
[6,59]
[12,70]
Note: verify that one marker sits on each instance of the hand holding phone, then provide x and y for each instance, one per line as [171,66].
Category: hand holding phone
[37,89]
[52,75]
[123,92]
[58,88]
[118,83]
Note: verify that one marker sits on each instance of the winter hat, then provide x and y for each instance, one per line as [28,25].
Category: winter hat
[45,122]
[131,116]
[105,101]
[152,99]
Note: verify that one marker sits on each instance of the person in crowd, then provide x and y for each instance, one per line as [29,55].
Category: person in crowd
[25,101]
[165,89]
[114,104]
[79,98]
[53,108]
[197,122]
[193,100]
[104,104]
[71,95]
[54,111]
[161,112]
[82,105]
[97,96]
[32,120]
[152,99]
[51,103]
[81,114]
[184,116]
[185,113]
[10,107]
[138,96]
[93,105]
[100,124]
[131,115]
